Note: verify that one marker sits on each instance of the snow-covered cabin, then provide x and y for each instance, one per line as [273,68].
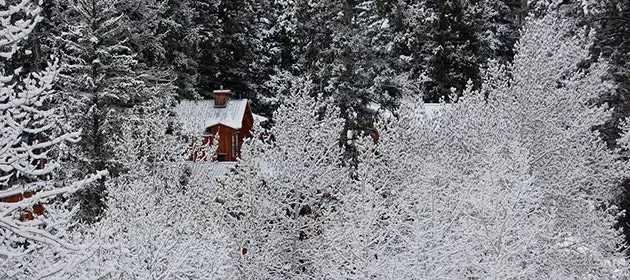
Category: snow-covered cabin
[231,119]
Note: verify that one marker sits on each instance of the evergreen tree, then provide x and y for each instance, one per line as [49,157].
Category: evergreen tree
[231,53]
[163,35]
[445,44]
[611,20]
[452,51]
[100,79]
[349,59]
[35,241]
[181,42]
[497,29]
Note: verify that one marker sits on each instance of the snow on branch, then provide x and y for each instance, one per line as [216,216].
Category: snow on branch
[31,244]
[14,31]
[24,123]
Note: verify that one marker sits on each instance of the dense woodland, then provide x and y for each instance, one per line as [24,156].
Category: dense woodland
[524,175]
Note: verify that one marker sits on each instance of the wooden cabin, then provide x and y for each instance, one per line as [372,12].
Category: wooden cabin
[36,209]
[230,119]
[28,213]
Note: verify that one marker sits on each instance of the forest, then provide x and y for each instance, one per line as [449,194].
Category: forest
[523,173]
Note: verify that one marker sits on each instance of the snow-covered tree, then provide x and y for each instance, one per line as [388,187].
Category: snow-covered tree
[567,158]
[102,79]
[154,229]
[514,186]
[31,246]
[181,44]
[536,182]
[160,222]
[366,234]
[481,201]
[281,192]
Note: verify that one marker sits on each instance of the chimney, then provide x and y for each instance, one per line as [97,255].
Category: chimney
[221,98]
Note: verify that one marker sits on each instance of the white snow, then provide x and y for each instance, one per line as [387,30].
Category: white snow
[383,113]
[223,91]
[385,24]
[196,116]
[429,109]
[211,169]
[434,109]
[259,119]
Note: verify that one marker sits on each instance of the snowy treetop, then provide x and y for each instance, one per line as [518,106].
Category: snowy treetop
[429,109]
[198,115]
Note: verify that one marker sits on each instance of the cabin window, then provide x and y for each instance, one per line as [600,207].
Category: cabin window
[221,100]
[234,145]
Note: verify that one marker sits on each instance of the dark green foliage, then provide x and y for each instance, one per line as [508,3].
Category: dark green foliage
[181,44]
[453,54]
[612,43]
[498,24]
[611,21]
[228,46]
[111,63]
[447,43]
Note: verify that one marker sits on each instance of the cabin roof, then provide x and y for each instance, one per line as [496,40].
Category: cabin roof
[197,115]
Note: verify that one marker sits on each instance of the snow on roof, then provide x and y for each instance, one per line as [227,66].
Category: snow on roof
[259,118]
[197,115]
[222,91]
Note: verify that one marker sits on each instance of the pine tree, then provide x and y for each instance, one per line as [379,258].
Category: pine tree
[100,80]
[231,51]
[497,29]
[181,43]
[34,244]
[349,59]
[445,44]
[452,52]
[163,35]
[611,23]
